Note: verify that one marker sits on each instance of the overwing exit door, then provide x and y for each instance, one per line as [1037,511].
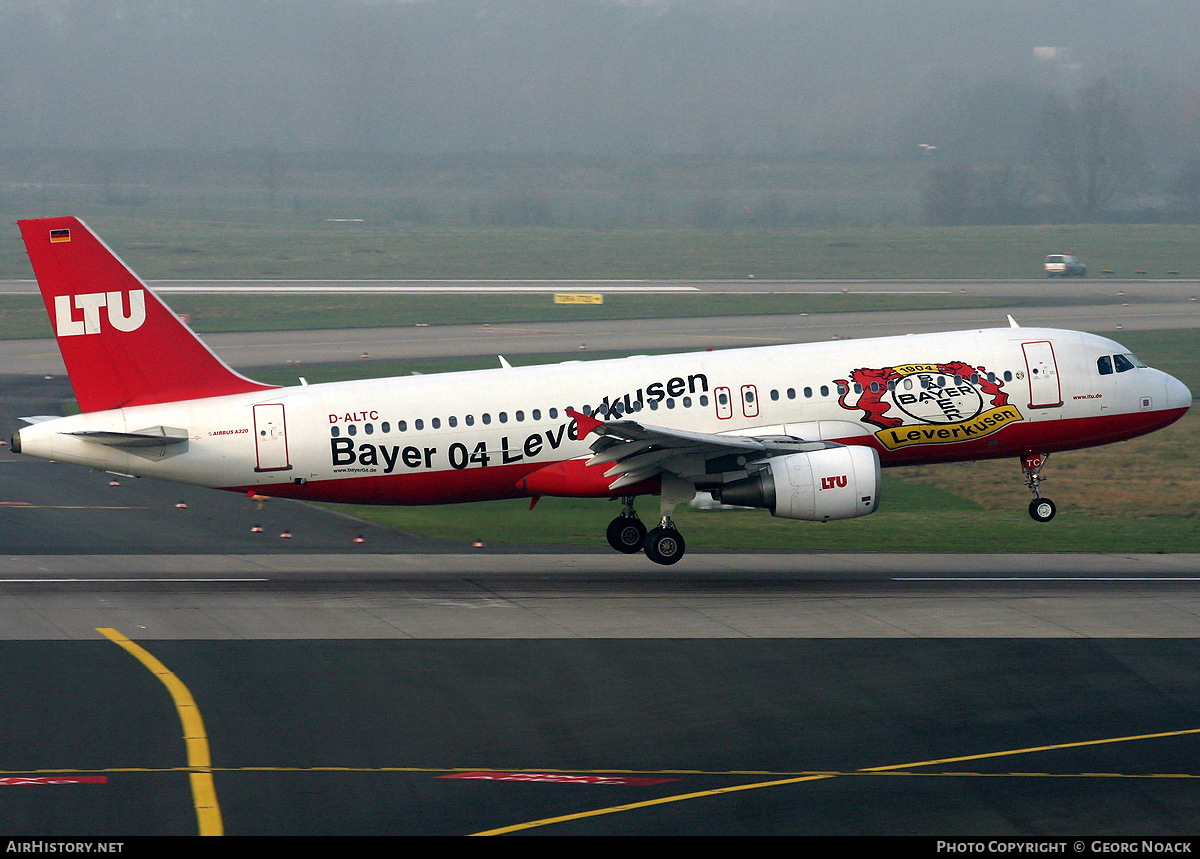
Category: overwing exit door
[270,438]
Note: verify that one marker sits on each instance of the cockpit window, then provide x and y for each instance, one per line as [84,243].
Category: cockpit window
[1104,365]
[1122,363]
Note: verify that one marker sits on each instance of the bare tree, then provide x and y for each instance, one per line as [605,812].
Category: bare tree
[1186,188]
[1090,150]
[947,194]
[1002,194]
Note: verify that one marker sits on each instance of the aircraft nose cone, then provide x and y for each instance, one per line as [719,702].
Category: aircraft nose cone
[1178,395]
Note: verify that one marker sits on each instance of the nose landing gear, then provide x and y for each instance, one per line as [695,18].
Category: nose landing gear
[1040,509]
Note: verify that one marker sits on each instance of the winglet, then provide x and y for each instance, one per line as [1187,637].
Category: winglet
[586,424]
[1012,323]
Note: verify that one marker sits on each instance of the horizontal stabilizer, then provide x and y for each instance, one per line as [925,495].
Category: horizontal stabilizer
[149,437]
[37,419]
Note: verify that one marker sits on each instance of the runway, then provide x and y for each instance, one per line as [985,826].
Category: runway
[583,595]
[405,686]
[1084,290]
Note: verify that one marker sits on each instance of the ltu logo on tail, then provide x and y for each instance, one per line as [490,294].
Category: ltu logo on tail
[89,304]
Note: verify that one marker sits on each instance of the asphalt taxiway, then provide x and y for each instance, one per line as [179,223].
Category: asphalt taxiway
[397,686]
[407,686]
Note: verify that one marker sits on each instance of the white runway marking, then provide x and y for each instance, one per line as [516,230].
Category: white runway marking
[1056,579]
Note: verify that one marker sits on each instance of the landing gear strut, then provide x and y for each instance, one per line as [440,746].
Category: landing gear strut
[626,533]
[664,544]
[1040,509]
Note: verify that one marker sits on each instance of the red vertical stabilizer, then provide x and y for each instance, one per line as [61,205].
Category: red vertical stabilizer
[121,344]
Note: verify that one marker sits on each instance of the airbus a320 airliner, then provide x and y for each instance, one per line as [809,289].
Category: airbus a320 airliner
[800,430]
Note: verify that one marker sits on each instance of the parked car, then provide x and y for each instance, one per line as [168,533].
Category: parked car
[1064,265]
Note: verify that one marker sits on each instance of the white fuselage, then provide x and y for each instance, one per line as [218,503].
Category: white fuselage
[474,435]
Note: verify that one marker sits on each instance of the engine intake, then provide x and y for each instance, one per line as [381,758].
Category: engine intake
[835,483]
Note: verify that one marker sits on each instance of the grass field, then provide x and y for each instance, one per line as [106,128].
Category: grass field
[221,249]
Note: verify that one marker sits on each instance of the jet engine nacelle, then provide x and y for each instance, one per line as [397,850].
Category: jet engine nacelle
[835,483]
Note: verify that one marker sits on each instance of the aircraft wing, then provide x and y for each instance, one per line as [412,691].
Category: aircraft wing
[638,451]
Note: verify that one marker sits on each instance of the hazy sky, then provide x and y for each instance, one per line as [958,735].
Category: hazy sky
[580,76]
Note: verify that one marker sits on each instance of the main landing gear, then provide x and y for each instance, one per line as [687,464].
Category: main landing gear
[1040,509]
[626,533]
[664,544]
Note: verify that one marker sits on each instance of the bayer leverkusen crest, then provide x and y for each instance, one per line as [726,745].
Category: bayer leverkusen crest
[916,404]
